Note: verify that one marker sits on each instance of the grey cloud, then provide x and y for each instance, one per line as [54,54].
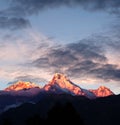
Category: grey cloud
[13,23]
[107,72]
[55,61]
[41,62]
[88,50]
[10,83]
[69,55]
[88,68]
[115,45]
[62,57]
[18,10]
[28,7]
[82,68]
[109,40]
[80,59]
[34,6]
[31,79]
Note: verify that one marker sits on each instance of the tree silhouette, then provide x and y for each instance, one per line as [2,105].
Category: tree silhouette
[35,120]
[64,114]
[7,122]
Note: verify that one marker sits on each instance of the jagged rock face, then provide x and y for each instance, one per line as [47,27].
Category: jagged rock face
[61,81]
[20,85]
[102,91]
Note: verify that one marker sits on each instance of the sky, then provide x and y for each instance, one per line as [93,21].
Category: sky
[79,38]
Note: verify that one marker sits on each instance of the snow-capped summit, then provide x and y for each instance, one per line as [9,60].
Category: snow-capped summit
[61,83]
[21,85]
[102,91]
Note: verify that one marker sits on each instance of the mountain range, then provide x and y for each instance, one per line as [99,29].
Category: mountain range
[26,99]
[61,84]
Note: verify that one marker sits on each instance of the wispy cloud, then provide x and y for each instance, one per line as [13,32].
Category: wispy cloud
[16,52]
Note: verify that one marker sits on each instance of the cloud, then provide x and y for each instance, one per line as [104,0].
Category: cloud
[87,49]
[83,68]
[90,58]
[17,52]
[83,59]
[31,78]
[13,23]
[108,72]
[70,54]
[34,6]
[16,13]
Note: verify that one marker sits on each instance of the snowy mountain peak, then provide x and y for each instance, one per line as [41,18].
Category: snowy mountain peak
[21,85]
[59,76]
[63,82]
[103,87]
[60,82]
[102,91]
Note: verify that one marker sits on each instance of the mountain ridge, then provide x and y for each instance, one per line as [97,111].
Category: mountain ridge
[63,82]
[59,86]
[60,83]
[21,85]
[102,91]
